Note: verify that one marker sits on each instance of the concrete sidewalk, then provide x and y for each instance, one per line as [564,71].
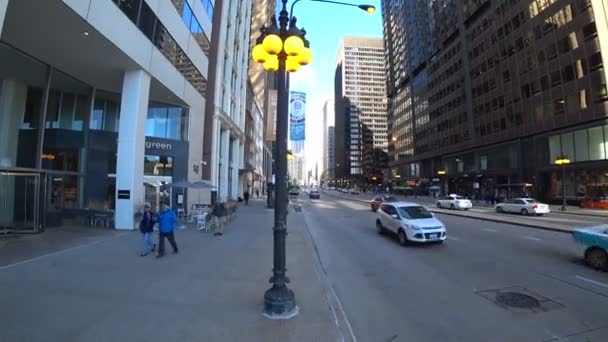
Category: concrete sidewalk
[211,291]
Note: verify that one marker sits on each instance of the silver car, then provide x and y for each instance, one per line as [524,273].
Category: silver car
[524,206]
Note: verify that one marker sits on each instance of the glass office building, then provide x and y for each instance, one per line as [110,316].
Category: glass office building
[509,87]
[67,112]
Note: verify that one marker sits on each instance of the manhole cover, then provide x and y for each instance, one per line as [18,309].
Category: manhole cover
[517,300]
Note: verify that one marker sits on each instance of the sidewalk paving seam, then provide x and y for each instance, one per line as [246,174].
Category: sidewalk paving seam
[490,219]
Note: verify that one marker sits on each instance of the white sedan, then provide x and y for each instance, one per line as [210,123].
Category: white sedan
[453,201]
[411,222]
[524,206]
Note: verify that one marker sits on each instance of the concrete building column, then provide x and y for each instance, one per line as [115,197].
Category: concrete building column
[224,157]
[214,160]
[3,7]
[131,147]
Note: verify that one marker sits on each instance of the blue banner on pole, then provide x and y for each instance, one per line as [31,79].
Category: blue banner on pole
[297,116]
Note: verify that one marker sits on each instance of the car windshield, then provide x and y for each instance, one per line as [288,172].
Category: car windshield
[414,213]
[529,200]
[390,199]
[458,197]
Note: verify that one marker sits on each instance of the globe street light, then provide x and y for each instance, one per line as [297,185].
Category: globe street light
[282,48]
[563,161]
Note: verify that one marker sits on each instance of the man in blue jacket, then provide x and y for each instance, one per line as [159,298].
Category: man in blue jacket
[166,226]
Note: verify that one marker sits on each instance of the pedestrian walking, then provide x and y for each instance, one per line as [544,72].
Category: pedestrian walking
[166,227]
[218,213]
[257,193]
[146,227]
[246,195]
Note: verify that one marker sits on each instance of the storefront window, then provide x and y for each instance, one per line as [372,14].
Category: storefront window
[106,112]
[158,166]
[62,159]
[581,145]
[568,145]
[597,149]
[22,81]
[554,148]
[69,103]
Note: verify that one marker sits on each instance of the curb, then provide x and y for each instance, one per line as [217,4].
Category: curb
[490,219]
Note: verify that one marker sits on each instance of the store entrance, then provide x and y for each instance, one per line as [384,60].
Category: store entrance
[157,190]
[20,202]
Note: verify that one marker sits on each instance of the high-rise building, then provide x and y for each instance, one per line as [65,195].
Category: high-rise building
[226,105]
[328,120]
[360,109]
[101,108]
[504,89]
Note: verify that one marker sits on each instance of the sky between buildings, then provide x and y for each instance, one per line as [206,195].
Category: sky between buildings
[325,25]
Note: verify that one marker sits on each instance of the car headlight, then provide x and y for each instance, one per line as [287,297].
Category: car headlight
[415,227]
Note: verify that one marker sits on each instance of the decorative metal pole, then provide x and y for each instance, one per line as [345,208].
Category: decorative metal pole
[279,300]
[564,203]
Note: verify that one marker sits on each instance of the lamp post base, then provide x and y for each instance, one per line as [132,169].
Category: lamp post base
[280,303]
[563,208]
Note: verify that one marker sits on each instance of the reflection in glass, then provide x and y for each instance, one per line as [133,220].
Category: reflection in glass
[166,121]
[596,143]
[158,166]
[106,112]
[61,159]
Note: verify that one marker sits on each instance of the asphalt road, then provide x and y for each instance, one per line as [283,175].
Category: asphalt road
[556,218]
[453,292]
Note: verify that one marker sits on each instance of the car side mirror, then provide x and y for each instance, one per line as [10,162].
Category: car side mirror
[395,216]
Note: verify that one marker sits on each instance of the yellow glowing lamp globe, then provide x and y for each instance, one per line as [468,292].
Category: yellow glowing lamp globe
[293,45]
[259,54]
[292,64]
[272,44]
[305,56]
[272,64]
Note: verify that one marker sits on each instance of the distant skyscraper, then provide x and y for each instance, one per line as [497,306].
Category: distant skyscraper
[328,120]
[360,108]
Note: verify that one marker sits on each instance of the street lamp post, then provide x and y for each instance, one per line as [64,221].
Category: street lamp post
[563,161]
[441,173]
[282,48]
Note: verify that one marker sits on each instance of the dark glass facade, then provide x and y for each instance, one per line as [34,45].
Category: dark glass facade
[144,18]
[505,78]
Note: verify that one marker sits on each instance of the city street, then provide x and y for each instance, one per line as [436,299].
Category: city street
[468,289]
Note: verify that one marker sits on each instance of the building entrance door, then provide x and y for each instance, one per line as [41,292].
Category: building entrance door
[20,202]
[157,190]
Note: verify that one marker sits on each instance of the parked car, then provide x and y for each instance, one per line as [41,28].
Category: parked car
[354,192]
[454,201]
[411,222]
[595,241]
[524,206]
[376,202]
[314,194]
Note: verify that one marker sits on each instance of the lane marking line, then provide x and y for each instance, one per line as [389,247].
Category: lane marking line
[451,237]
[490,230]
[531,238]
[592,281]
[60,252]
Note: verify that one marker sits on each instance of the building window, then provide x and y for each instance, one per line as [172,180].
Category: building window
[168,122]
[106,112]
[596,144]
[158,166]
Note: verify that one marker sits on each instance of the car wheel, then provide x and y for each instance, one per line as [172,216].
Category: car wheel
[402,237]
[465,209]
[438,205]
[524,212]
[452,206]
[499,210]
[597,258]
[379,227]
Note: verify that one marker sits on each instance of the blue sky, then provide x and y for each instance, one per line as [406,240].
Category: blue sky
[325,25]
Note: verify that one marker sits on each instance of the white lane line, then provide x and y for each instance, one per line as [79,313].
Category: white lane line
[60,252]
[490,230]
[341,308]
[531,238]
[592,281]
[451,237]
